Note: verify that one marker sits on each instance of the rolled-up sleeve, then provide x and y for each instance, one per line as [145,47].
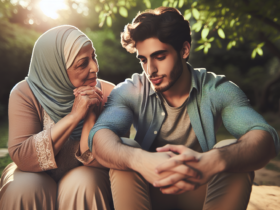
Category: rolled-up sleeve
[237,114]
[117,115]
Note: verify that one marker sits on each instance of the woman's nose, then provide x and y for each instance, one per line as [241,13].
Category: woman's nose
[94,68]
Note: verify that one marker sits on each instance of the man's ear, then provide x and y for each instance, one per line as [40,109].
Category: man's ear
[185,52]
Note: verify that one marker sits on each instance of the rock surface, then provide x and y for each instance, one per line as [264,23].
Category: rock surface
[265,198]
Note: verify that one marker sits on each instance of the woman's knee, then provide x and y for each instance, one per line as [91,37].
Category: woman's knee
[27,190]
[84,188]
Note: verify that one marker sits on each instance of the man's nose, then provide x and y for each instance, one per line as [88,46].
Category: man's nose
[151,68]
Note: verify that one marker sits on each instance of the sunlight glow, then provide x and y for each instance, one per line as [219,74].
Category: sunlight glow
[50,7]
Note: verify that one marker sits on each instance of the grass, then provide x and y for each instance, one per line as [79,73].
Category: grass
[3,134]
[271,166]
[4,161]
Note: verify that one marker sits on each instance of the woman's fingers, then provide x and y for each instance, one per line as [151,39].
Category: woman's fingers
[87,90]
[91,94]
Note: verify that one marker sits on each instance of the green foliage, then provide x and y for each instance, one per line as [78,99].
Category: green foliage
[16,45]
[4,134]
[235,20]
[115,63]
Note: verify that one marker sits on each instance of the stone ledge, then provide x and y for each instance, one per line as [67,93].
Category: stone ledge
[264,198]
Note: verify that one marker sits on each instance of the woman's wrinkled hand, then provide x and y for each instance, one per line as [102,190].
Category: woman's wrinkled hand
[86,98]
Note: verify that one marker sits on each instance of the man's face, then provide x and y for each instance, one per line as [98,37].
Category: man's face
[161,63]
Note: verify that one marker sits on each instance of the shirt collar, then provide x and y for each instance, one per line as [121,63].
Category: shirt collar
[193,81]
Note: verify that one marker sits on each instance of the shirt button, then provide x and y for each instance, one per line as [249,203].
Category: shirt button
[162,113]
[155,132]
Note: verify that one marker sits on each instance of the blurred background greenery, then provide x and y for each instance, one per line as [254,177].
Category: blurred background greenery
[238,38]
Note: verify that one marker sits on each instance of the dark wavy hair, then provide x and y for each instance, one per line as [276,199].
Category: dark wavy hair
[165,23]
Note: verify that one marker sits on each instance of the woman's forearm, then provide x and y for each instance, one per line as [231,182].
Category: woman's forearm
[88,124]
[61,131]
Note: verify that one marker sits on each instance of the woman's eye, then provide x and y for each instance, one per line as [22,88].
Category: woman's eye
[83,65]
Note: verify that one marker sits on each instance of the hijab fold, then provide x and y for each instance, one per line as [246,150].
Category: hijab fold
[53,53]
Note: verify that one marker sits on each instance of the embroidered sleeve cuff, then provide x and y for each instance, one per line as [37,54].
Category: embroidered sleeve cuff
[85,158]
[44,150]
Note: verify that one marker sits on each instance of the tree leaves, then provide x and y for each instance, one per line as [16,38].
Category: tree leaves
[221,33]
[195,13]
[181,3]
[147,3]
[109,21]
[123,11]
[204,33]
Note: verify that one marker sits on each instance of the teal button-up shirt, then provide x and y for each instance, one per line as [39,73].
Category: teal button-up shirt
[212,97]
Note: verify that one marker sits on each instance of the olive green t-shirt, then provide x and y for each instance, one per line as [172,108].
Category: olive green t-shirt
[176,128]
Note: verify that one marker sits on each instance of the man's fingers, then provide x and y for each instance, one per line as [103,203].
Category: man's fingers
[174,148]
[175,161]
[178,167]
[178,188]
[170,180]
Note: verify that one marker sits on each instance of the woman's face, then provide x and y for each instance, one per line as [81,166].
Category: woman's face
[84,69]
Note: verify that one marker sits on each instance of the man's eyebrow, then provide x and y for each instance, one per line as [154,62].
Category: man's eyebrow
[153,54]
[158,53]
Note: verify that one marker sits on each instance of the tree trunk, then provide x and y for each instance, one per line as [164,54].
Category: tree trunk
[265,92]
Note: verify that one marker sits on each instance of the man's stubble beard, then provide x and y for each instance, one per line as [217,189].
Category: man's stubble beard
[174,76]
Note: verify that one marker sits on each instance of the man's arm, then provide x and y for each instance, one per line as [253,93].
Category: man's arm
[251,152]
[110,152]
[257,141]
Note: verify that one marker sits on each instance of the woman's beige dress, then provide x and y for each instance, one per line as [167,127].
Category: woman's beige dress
[37,179]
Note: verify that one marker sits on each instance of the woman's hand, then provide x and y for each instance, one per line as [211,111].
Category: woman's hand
[86,98]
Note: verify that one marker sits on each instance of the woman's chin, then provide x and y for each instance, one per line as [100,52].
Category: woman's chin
[92,83]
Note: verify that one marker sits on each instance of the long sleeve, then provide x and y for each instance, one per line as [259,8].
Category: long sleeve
[87,158]
[30,145]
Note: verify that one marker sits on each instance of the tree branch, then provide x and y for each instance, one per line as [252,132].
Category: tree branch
[273,49]
[266,20]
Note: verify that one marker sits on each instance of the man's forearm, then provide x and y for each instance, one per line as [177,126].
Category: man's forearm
[252,151]
[111,153]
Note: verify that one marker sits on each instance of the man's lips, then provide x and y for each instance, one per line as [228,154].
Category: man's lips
[156,81]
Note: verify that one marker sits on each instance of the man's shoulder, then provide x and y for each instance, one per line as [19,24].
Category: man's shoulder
[133,85]
[207,80]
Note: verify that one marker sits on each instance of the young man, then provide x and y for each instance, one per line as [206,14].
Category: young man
[176,111]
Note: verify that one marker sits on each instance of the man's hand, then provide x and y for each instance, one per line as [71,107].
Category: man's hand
[147,167]
[205,164]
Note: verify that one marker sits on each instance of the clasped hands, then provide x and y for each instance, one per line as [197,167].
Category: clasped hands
[87,98]
[185,169]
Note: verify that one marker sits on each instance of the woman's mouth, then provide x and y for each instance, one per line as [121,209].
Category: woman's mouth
[92,82]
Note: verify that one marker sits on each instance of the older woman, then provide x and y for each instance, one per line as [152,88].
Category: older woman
[50,115]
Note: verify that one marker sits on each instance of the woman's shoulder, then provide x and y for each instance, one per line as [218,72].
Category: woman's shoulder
[106,87]
[21,87]
[22,92]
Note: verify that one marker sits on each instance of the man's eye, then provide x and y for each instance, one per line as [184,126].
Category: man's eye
[161,58]
[143,61]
